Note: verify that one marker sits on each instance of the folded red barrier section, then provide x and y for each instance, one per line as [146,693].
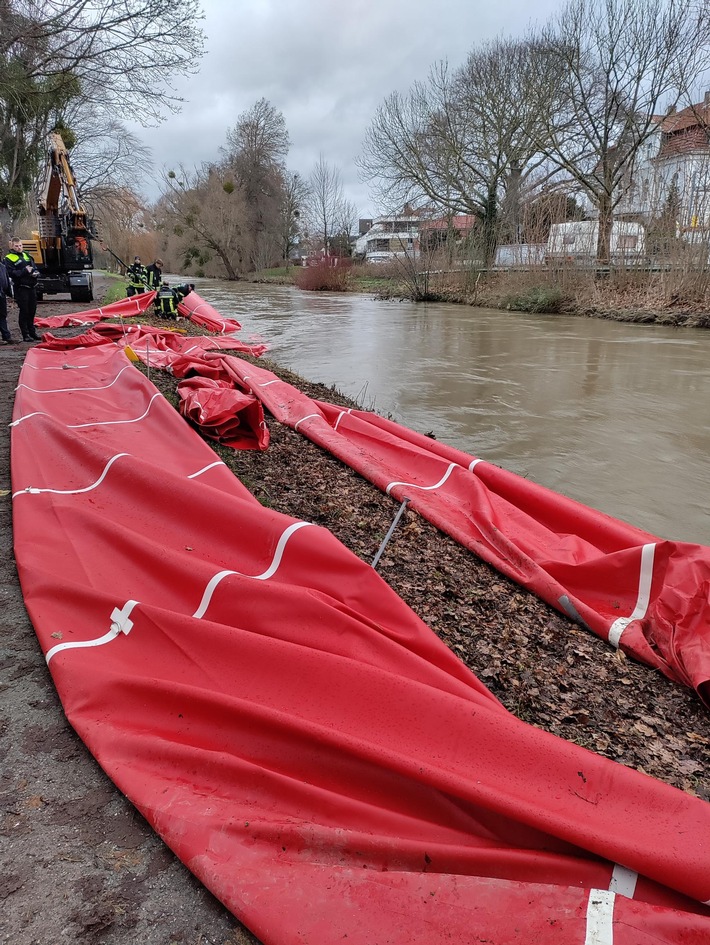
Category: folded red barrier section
[305,744]
[223,413]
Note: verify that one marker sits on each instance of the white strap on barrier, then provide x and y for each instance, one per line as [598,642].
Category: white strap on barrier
[413,485]
[120,623]
[70,390]
[623,881]
[643,599]
[205,469]
[600,918]
[309,416]
[30,490]
[343,413]
[264,576]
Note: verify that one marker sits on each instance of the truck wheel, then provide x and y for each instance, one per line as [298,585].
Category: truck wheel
[82,294]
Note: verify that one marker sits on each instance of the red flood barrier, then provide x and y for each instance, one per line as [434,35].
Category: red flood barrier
[302,741]
[641,593]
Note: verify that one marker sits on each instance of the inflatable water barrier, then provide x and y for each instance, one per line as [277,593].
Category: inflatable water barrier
[300,739]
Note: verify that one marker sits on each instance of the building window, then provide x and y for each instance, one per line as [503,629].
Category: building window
[628,242]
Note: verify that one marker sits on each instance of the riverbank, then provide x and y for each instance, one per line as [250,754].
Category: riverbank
[77,863]
[670,298]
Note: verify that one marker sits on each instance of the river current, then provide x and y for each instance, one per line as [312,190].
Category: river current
[614,415]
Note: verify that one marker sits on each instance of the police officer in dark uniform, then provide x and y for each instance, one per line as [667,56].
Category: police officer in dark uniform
[5,290]
[24,275]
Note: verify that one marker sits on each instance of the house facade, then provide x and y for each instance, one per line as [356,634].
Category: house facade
[389,237]
[672,173]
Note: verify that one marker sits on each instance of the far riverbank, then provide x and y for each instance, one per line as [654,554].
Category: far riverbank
[673,298]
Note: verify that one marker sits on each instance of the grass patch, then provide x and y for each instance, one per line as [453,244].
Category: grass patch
[280,275]
[116,290]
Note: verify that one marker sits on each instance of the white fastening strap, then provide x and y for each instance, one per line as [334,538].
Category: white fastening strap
[71,390]
[33,491]
[205,468]
[109,423]
[623,881]
[264,576]
[94,423]
[64,367]
[120,623]
[37,413]
[600,918]
[472,465]
[269,383]
[413,485]
[340,417]
[642,601]
[309,416]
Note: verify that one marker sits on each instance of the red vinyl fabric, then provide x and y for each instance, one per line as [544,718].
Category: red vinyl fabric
[644,594]
[202,313]
[124,308]
[158,347]
[223,413]
[303,742]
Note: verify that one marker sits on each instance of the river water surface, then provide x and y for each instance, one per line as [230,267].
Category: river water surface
[614,415]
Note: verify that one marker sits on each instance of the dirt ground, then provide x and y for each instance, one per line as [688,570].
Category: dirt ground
[78,864]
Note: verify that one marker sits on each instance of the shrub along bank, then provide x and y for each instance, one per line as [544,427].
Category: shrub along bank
[675,296]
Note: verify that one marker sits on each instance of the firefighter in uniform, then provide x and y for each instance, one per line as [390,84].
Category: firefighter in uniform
[182,290]
[154,274]
[166,302]
[137,278]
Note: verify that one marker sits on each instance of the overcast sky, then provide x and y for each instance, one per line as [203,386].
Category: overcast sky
[326,65]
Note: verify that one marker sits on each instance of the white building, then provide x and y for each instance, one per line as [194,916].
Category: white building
[388,238]
[676,155]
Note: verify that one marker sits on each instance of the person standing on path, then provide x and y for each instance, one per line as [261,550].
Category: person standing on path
[5,290]
[23,274]
[154,273]
[137,278]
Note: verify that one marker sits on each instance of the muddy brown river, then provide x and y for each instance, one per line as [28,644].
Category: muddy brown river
[614,415]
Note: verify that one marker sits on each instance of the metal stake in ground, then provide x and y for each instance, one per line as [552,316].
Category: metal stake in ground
[385,540]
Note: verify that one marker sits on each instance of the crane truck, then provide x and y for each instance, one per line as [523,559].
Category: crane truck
[61,245]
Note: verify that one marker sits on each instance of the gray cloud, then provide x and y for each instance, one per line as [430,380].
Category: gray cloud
[325,66]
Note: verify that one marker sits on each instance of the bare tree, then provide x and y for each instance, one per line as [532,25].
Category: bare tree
[328,211]
[209,213]
[105,156]
[295,197]
[255,155]
[463,139]
[621,64]
[114,55]
[259,140]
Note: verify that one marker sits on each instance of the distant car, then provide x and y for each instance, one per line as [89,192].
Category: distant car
[378,258]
